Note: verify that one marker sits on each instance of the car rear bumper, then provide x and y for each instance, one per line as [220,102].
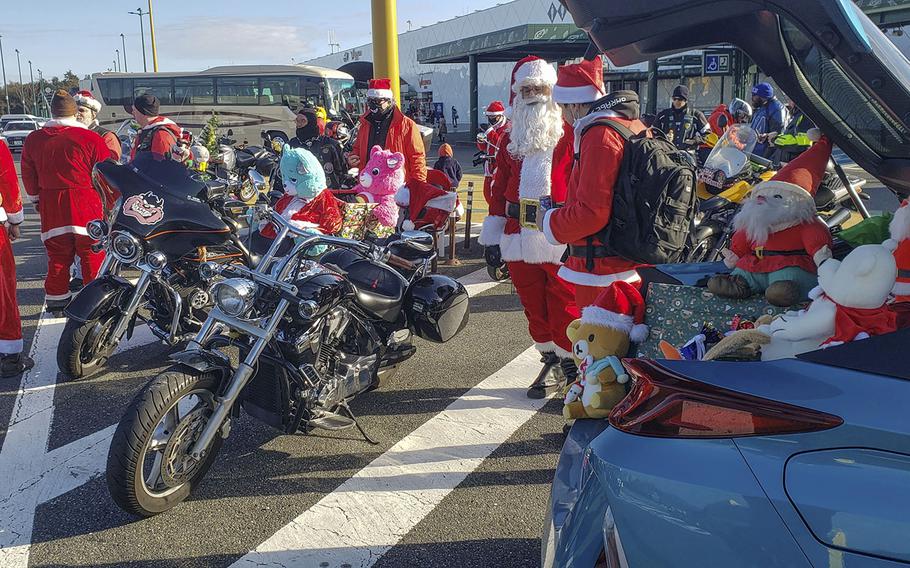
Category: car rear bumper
[666,502]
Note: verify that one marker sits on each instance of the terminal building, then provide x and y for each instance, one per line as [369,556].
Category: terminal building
[443,64]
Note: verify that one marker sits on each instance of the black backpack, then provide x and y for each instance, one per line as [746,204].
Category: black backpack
[654,200]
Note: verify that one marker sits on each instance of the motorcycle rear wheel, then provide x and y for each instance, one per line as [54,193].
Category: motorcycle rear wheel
[79,352]
[149,470]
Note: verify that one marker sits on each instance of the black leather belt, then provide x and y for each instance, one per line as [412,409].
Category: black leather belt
[903,273]
[761,253]
[513,210]
[593,251]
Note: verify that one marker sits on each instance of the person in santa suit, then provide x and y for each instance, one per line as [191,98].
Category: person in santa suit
[157,134]
[900,234]
[779,242]
[534,161]
[589,266]
[12,362]
[488,143]
[426,205]
[87,109]
[57,163]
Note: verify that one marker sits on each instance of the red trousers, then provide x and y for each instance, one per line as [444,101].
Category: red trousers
[61,250]
[488,188]
[10,324]
[548,302]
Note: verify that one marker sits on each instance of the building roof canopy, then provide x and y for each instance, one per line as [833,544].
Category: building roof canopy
[553,42]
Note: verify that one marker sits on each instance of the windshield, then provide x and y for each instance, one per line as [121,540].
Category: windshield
[20,126]
[340,93]
[731,153]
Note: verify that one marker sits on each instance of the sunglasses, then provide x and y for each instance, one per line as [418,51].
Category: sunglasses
[678,99]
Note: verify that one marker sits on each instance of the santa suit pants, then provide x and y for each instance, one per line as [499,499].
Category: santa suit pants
[61,250]
[488,188]
[10,324]
[549,304]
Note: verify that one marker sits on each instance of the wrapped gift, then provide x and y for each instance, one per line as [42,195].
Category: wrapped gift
[357,220]
[677,313]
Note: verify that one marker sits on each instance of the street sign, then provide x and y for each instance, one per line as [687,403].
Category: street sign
[717,62]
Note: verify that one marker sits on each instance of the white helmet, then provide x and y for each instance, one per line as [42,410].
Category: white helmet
[740,110]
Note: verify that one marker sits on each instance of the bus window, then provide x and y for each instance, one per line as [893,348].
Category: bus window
[341,92]
[312,92]
[238,91]
[194,91]
[161,88]
[280,91]
[111,92]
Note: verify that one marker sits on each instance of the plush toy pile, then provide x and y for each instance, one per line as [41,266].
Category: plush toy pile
[380,180]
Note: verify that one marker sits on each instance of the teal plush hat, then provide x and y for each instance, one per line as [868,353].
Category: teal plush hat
[301,172]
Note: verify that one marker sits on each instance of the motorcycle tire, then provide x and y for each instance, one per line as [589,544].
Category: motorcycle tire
[77,354]
[134,435]
[701,251]
[498,273]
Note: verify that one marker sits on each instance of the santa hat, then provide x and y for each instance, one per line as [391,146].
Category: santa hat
[580,82]
[495,108]
[900,244]
[620,307]
[380,89]
[85,99]
[439,179]
[803,175]
[531,70]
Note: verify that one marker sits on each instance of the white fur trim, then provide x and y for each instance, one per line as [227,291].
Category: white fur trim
[14,218]
[562,353]
[584,121]
[765,186]
[57,231]
[901,288]
[546,347]
[380,94]
[534,72]
[900,224]
[491,231]
[32,198]
[407,225]
[158,122]
[58,297]
[10,346]
[87,102]
[530,246]
[597,280]
[536,169]
[595,315]
[821,255]
[582,94]
[64,121]
[816,293]
[3,217]
[444,202]
[403,196]
[639,333]
[890,244]
[547,230]
[497,113]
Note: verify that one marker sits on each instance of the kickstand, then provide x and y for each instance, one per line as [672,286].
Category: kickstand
[343,405]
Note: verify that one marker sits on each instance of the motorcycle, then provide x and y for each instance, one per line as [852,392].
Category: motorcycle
[726,180]
[291,342]
[162,221]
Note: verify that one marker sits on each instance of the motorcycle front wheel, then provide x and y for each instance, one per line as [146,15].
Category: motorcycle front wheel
[80,351]
[149,469]
[702,251]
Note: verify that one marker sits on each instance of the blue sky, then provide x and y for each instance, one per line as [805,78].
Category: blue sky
[57,35]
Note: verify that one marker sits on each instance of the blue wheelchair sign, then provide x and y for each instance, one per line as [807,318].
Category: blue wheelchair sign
[716,63]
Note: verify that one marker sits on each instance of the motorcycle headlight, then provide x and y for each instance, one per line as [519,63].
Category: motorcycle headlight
[125,247]
[156,260]
[97,229]
[234,296]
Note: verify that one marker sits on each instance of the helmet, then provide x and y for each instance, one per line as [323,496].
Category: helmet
[740,110]
[340,132]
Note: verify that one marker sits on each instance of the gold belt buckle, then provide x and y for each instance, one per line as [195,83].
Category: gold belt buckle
[527,212]
[759,252]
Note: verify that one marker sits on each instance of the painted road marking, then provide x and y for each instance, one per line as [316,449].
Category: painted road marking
[398,489]
[29,478]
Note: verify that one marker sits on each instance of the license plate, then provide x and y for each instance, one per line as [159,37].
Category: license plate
[15,142]
[712,177]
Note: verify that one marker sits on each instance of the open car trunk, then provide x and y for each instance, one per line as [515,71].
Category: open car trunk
[825,54]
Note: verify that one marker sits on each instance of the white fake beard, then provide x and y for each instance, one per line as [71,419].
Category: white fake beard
[759,220]
[535,127]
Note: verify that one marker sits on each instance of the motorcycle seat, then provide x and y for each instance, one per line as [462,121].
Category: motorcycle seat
[245,160]
[378,289]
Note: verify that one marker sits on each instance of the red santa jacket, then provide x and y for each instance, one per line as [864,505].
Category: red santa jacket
[10,199]
[157,137]
[858,323]
[812,239]
[322,214]
[404,137]
[57,163]
[516,178]
[490,147]
[590,203]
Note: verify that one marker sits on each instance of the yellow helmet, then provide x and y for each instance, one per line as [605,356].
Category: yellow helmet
[321,113]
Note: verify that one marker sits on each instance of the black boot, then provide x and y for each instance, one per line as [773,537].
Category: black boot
[56,307]
[550,378]
[14,365]
[569,369]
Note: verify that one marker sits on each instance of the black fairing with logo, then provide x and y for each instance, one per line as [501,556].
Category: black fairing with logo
[161,202]
[824,54]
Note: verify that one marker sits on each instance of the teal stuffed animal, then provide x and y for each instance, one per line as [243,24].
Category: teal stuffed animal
[301,173]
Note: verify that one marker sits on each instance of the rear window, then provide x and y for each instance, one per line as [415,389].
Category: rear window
[20,126]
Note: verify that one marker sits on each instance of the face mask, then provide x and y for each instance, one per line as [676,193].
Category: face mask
[375,106]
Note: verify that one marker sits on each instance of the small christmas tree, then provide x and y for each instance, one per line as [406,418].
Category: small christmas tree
[209,135]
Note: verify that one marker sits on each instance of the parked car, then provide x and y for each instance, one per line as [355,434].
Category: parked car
[14,133]
[797,462]
[21,117]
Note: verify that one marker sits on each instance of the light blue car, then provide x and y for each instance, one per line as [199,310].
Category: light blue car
[800,462]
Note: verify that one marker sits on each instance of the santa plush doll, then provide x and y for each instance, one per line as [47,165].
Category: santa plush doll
[779,240]
[306,203]
[900,234]
[427,205]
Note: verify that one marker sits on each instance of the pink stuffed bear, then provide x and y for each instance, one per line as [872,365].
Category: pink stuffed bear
[379,180]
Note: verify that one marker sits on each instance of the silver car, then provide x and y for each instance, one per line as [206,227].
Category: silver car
[14,133]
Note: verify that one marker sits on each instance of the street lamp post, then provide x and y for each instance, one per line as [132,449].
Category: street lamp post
[19,65]
[31,87]
[123,42]
[118,59]
[41,91]
[140,13]
[3,63]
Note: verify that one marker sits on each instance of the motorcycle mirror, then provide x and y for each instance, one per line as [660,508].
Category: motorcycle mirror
[230,132]
[256,179]
[417,240]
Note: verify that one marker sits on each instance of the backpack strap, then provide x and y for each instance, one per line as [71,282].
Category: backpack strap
[611,124]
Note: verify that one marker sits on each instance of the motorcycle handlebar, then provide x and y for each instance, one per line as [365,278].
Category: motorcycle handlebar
[764,162]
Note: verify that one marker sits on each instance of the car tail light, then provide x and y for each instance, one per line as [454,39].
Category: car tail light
[668,405]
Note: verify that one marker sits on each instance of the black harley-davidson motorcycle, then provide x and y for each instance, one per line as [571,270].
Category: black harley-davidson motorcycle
[162,221]
[290,342]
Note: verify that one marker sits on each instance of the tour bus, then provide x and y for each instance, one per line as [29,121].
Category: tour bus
[246,98]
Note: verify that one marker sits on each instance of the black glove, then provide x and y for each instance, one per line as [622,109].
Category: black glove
[493,256]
